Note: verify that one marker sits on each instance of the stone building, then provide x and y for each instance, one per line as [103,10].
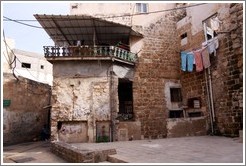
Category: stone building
[30,65]
[223,95]
[123,79]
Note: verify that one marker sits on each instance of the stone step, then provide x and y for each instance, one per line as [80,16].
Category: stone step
[77,155]
[116,159]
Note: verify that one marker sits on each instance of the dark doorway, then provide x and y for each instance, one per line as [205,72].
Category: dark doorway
[125,100]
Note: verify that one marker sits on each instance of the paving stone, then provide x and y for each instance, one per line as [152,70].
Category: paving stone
[199,149]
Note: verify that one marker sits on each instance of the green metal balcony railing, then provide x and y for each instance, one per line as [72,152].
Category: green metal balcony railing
[89,51]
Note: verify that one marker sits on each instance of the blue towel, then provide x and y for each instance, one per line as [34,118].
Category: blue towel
[183,60]
[190,61]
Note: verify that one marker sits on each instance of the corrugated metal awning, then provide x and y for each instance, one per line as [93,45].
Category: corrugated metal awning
[70,28]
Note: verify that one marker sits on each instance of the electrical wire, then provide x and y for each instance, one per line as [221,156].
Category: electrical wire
[14,61]
[33,26]
[103,17]
[158,11]
[15,57]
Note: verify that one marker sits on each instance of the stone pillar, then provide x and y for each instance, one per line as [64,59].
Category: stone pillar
[114,105]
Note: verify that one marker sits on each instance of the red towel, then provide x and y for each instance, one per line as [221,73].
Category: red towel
[198,59]
[205,58]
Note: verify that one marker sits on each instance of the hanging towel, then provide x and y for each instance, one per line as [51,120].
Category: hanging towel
[212,45]
[215,23]
[190,61]
[216,42]
[205,58]
[183,60]
[198,59]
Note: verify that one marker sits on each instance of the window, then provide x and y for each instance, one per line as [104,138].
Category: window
[176,114]
[184,35]
[194,102]
[184,39]
[211,26]
[125,100]
[26,65]
[194,114]
[42,66]
[141,7]
[175,94]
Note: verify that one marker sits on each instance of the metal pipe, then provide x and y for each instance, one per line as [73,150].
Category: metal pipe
[208,100]
[211,93]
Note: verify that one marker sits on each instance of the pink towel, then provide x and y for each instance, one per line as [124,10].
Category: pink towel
[205,58]
[198,59]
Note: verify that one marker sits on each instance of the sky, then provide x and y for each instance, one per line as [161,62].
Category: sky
[28,38]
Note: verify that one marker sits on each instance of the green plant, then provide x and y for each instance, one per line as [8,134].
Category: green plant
[102,139]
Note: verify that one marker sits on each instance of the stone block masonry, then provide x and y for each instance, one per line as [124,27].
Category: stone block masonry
[28,111]
[226,70]
[81,100]
[229,101]
[158,62]
[74,154]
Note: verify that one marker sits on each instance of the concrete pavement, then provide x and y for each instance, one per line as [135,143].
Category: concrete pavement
[30,152]
[199,149]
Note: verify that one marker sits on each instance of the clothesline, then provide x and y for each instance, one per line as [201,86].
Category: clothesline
[199,57]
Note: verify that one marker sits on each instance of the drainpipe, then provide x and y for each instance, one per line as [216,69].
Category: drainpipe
[208,100]
[209,86]
[211,93]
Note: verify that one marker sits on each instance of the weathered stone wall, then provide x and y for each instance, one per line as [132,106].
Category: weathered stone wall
[193,83]
[158,63]
[85,95]
[27,113]
[82,100]
[226,70]
[180,127]
[129,130]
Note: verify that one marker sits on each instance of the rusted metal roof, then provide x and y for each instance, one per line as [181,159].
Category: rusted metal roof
[70,28]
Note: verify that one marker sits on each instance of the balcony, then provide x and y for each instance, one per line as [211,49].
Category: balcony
[113,53]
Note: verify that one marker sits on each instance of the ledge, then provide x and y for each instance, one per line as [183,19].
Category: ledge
[75,155]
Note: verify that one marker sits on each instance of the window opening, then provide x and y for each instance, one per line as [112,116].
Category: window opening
[59,125]
[194,114]
[184,35]
[26,65]
[142,7]
[211,25]
[125,100]
[176,114]
[176,95]
[42,66]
